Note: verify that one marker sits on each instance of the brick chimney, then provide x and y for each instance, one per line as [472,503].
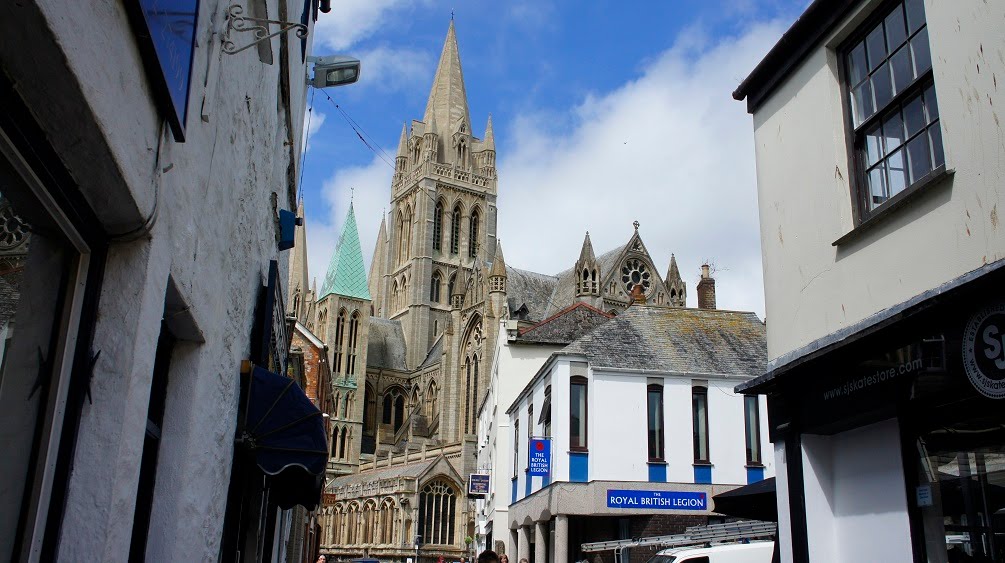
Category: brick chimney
[638,295]
[706,289]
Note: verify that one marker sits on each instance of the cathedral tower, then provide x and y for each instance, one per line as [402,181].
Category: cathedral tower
[343,315]
[441,223]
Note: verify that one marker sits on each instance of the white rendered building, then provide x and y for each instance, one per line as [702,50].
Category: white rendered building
[644,427]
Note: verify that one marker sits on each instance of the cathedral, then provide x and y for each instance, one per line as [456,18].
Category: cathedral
[410,343]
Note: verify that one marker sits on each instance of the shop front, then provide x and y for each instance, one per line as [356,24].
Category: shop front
[892,439]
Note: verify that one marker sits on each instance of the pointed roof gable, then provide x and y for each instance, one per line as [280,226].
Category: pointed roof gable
[448,101]
[586,254]
[403,141]
[377,263]
[498,263]
[346,275]
[298,268]
[673,273]
[490,138]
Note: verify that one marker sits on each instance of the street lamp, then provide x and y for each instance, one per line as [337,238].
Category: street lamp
[335,70]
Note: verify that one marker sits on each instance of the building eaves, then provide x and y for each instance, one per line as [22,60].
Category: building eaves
[805,34]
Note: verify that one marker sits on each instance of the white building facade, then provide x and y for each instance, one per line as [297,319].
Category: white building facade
[145,165]
[644,429]
[879,166]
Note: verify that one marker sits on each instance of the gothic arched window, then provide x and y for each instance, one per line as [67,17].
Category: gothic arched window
[473,232]
[467,399]
[437,513]
[450,287]
[438,226]
[394,296]
[432,400]
[342,442]
[353,338]
[369,411]
[474,394]
[434,288]
[296,303]
[399,412]
[323,324]
[339,341]
[455,230]
[386,411]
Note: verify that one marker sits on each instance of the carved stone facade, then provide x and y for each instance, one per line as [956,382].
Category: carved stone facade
[406,404]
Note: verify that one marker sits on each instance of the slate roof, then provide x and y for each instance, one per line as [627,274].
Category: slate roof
[565,288]
[566,326]
[435,353]
[678,340]
[346,274]
[386,346]
[411,470]
[531,289]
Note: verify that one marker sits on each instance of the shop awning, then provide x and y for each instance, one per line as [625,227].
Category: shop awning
[286,434]
[755,501]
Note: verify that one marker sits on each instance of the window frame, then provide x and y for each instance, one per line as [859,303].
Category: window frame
[858,183]
[752,430]
[516,448]
[661,445]
[701,390]
[584,444]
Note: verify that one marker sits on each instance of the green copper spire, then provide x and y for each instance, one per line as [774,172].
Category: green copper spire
[346,275]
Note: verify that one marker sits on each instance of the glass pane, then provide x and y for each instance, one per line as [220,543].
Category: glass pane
[896,32]
[896,166]
[877,186]
[699,406]
[922,53]
[862,102]
[914,116]
[893,131]
[35,272]
[856,64]
[900,62]
[919,155]
[882,85]
[876,45]
[873,146]
[932,104]
[935,132]
[577,414]
[915,14]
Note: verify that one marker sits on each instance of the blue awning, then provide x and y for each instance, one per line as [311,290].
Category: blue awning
[286,434]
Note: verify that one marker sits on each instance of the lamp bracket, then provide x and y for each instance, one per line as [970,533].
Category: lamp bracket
[238,22]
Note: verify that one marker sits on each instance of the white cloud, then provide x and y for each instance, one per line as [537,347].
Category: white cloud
[313,121]
[670,149]
[351,21]
[369,187]
[388,69]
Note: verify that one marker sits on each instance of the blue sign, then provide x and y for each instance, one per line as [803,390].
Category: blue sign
[663,500]
[539,462]
[478,484]
[167,37]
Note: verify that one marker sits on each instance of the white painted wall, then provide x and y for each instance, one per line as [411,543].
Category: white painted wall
[214,236]
[813,289]
[855,495]
[515,365]
[618,446]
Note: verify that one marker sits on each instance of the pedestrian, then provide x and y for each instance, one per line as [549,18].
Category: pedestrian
[488,556]
[504,558]
[321,559]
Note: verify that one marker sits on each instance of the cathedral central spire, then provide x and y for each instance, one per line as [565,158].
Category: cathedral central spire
[448,101]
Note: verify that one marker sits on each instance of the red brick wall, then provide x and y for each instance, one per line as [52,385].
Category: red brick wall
[312,368]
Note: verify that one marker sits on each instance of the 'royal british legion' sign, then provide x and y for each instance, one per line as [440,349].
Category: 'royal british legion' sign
[539,457]
[664,500]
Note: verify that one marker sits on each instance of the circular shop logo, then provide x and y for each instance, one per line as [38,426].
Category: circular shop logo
[984,351]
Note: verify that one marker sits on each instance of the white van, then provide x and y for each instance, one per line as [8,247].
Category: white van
[753,552]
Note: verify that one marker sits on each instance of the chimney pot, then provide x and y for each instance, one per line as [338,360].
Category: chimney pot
[706,289]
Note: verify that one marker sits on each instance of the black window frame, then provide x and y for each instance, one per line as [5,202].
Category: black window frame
[438,226]
[584,443]
[657,450]
[752,432]
[702,392]
[516,448]
[856,135]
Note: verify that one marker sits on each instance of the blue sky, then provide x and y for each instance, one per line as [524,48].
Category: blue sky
[604,113]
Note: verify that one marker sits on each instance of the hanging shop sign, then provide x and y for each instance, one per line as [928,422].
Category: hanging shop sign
[539,454]
[984,351]
[165,31]
[478,484]
[662,500]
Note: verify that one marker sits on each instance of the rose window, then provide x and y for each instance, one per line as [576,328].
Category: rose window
[634,272]
[12,232]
